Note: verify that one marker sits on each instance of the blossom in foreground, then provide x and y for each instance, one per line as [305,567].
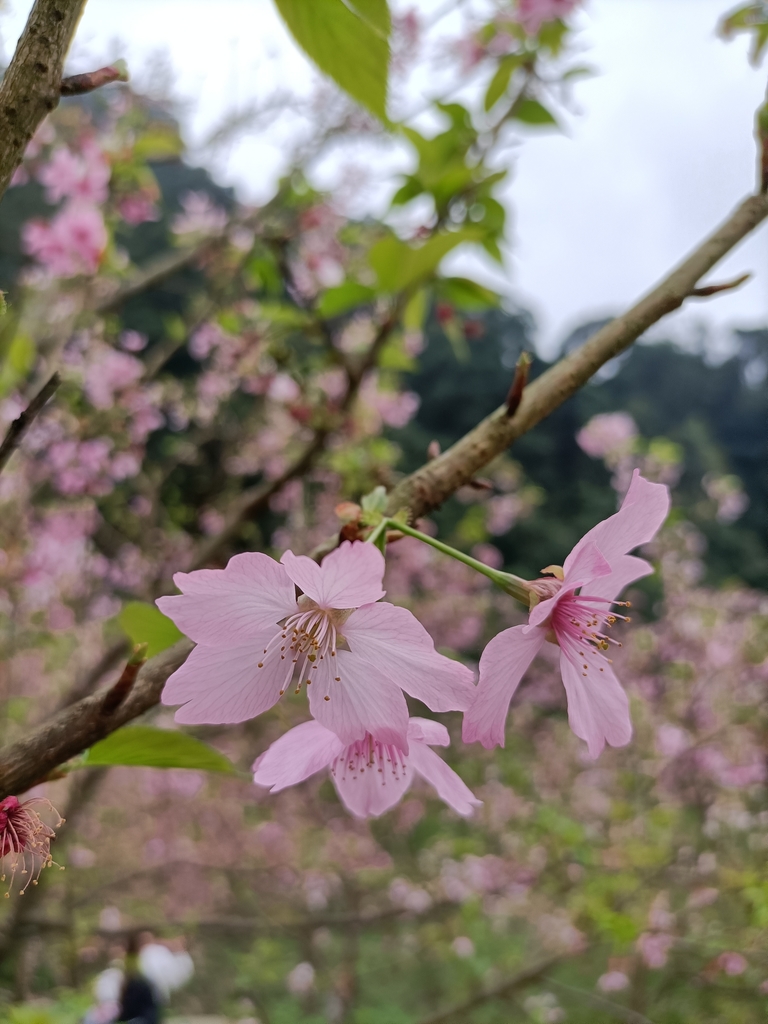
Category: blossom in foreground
[370,777]
[25,839]
[354,653]
[532,14]
[574,613]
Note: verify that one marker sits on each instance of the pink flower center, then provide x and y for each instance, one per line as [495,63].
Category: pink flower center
[371,756]
[578,624]
[308,637]
[25,839]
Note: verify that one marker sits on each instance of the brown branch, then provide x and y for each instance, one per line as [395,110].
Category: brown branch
[117,693]
[515,396]
[21,425]
[88,681]
[154,273]
[429,486]
[83,724]
[31,86]
[716,289]
[616,1010]
[500,991]
[77,85]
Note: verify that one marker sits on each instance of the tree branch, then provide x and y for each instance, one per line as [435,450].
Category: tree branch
[79,726]
[32,84]
[429,486]
[82,724]
[500,991]
[24,421]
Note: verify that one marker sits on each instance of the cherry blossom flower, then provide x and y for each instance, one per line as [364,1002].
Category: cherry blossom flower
[25,839]
[732,964]
[72,243]
[370,777]
[76,176]
[354,653]
[654,949]
[534,13]
[573,613]
[613,981]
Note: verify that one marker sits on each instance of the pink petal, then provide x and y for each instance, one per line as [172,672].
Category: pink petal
[369,793]
[587,565]
[298,753]
[424,730]
[639,519]
[223,685]
[626,569]
[220,607]
[362,700]
[598,707]
[393,641]
[349,577]
[448,785]
[502,666]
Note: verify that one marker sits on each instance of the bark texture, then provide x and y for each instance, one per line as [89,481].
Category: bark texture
[32,84]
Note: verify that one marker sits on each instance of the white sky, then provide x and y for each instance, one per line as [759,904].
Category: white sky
[660,151]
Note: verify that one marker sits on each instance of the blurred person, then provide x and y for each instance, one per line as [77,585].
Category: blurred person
[137,989]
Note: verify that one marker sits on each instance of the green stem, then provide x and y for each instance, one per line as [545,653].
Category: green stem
[514,585]
[374,535]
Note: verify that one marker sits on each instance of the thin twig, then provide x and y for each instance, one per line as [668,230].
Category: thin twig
[117,693]
[715,289]
[429,486]
[21,425]
[77,85]
[515,396]
[622,1013]
[500,991]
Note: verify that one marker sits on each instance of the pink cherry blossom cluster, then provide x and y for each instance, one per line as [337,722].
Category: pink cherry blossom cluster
[357,656]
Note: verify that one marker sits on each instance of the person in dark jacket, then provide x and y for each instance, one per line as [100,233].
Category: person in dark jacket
[139,1003]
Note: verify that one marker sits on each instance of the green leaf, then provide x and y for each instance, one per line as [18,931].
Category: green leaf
[530,111]
[500,81]
[146,624]
[285,314]
[466,294]
[398,264]
[415,312]
[347,41]
[147,747]
[336,301]
[376,501]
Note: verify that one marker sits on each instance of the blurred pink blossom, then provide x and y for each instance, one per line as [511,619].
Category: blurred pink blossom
[72,243]
[608,436]
[200,216]
[732,964]
[703,897]
[138,208]
[671,740]
[301,979]
[133,341]
[613,981]
[654,949]
[82,176]
[110,373]
[534,13]
[463,947]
